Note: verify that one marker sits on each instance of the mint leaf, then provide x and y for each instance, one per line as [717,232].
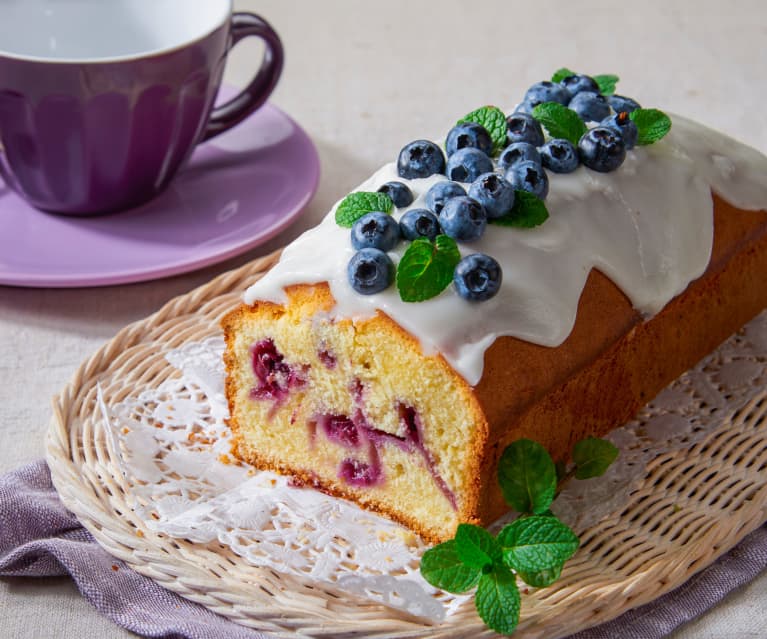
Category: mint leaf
[652,125]
[494,121]
[559,121]
[426,269]
[527,476]
[593,457]
[355,205]
[606,83]
[497,600]
[476,547]
[528,211]
[536,543]
[561,74]
[542,578]
[442,568]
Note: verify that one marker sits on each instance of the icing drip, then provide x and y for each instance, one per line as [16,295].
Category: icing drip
[648,226]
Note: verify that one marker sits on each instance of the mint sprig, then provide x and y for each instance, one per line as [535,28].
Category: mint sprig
[536,543]
[559,121]
[528,477]
[476,547]
[534,547]
[494,121]
[360,203]
[652,125]
[426,269]
[497,600]
[442,568]
[606,83]
[528,211]
[593,457]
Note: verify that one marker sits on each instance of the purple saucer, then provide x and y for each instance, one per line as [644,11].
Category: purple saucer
[238,190]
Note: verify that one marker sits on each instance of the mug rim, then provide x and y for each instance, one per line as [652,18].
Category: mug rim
[130,57]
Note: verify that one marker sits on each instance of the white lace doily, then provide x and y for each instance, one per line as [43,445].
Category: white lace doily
[173,447]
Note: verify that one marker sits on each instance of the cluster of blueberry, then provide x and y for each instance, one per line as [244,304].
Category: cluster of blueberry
[603,147]
[451,212]
[521,166]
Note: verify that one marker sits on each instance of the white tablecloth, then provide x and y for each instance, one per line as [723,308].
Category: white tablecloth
[363,79]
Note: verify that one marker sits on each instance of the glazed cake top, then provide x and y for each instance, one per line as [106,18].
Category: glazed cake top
[648,226]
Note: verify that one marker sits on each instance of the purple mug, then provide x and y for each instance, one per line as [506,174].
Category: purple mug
[101,101]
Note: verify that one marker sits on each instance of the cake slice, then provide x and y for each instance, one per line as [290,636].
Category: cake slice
[354,408]
[405,407]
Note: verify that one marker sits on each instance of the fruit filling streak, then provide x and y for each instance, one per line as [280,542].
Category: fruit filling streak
[275,380]
[274,377]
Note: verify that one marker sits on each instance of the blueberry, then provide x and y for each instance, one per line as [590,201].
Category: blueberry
[624,125]
[420,159]
[560,156]
[417,223]
[523,127]
[518,152]
[591,106]
[547,92]
[621,103]
[463,218]
[441,192]
[468,134]
[399,193]
[529,176]
[466,165]
[375,230]
[477,277]
[602,149]
[579,82]
[494,193]
[370,271]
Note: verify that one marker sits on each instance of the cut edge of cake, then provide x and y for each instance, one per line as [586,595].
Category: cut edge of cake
[345,411]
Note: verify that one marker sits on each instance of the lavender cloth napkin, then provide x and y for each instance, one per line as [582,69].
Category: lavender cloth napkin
[39,537]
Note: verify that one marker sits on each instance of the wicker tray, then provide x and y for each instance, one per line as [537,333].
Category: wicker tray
[693,506]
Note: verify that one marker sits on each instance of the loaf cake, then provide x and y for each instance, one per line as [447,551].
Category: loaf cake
[404,407]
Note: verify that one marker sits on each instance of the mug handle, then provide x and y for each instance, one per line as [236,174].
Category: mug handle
[234,111]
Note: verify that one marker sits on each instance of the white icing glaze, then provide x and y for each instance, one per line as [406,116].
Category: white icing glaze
[648,226]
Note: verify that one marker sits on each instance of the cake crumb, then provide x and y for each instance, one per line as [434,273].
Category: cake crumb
[139,533]
[251,472]
[224,459]
[126,430]
[115,568]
